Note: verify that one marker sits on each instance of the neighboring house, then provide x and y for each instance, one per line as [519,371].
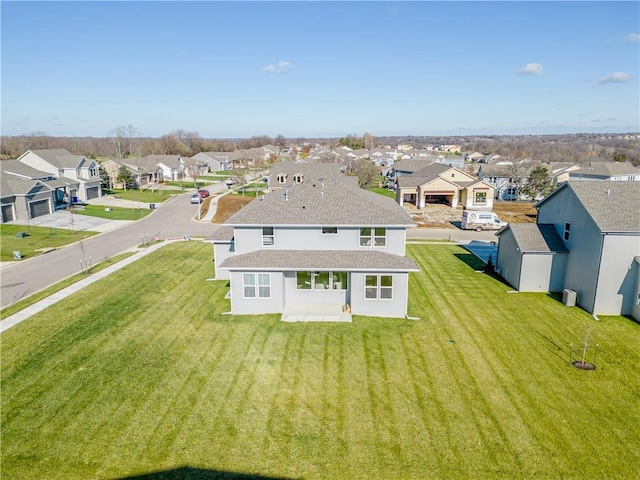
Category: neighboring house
[139,175]
[319,242]
[166,168]
[82,172]
[441,184]
[22,199]
[216,161]
[614,171]
[586,239]
[451,161]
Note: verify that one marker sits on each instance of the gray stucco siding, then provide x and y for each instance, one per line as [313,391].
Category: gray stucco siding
[509,259]
[257,306]
[616,283]
[395,307]
[249,239]
[222,251]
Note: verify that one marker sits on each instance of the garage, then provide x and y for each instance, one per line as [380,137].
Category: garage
[7,213]
[40,207]
[93,192]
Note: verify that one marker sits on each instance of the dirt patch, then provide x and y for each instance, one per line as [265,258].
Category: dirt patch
[442,216]
[228,205]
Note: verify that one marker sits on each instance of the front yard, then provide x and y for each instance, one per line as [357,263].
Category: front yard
[38,240]
[142,373]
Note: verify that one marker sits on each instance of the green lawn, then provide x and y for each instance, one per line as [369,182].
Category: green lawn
[40,239]
[142,373]
[384,191]
[114,213]
[36,297]
[146,196]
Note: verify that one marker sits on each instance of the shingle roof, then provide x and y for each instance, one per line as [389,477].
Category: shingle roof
[331,202]
[12,186]
[222,234]
[614,206]
[310,171]
[371,260]
[607,169]
[412,164]
[17,168]
[535,238]
[60,157]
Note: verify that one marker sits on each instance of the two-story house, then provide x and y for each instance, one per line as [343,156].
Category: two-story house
[319,241]
[586,239]
[81,173]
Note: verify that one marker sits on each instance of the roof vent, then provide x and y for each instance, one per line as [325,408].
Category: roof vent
[286,194]
[608,192]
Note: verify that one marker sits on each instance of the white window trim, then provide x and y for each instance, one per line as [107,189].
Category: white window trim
[566,235]
[372,237]
[256,285]
[378,287]
[272,237]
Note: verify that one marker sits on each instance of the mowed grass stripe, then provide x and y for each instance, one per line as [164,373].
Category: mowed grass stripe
[145,374]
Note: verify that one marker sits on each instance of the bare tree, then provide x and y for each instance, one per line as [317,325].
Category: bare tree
[117,136]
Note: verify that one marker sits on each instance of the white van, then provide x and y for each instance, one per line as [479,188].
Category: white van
[481,221]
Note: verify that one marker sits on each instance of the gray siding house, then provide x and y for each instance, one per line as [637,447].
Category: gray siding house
[320,241]
[598,224]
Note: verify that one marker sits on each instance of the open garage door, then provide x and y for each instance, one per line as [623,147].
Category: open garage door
[93,192]
[41,207]
[7,213]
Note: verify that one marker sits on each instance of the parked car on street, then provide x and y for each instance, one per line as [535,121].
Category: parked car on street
[204,193]
[196,198]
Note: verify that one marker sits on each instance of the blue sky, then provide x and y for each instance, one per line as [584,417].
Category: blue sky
[320,69]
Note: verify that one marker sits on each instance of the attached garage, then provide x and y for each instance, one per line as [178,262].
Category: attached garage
[7,213]
[93,192]
[39,207]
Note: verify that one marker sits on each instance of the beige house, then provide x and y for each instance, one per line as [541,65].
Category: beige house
[442,184]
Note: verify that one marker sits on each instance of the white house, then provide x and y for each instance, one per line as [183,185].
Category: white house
[614,171]
[317,242]
[591,250]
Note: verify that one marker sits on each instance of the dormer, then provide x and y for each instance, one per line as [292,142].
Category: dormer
[298,178]
[282,178]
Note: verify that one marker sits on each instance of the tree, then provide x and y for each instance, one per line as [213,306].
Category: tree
[124,176]
[539,184]
[117,137]
[366,172]
[367,140]
[280,141]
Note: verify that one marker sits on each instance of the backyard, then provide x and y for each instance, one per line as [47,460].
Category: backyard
[139,374]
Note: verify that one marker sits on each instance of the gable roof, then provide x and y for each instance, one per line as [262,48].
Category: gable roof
[606,169]
[331,202]
[19,169]
[11,186]
[317,172]
[536,238]
[370,260]
[613,206]
[60,157]
[412,165]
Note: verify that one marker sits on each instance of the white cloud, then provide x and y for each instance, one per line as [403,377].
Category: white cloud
[283,66]
[632,38]
[531,69]
[615,77]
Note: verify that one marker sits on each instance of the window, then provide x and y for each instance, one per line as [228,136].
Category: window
[567,231]
[322,280]
[329,230]
[481,197]
[263,285]
[298,178]
[378,287]
[373,236]
[93,171]
[268,239]
[282,178]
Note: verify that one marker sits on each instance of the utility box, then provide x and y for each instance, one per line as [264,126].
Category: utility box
[569,297]
[152,206]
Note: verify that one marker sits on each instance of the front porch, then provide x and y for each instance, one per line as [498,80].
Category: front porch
[315,312]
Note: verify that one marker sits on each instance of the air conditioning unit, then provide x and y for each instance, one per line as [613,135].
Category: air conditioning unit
[569,297]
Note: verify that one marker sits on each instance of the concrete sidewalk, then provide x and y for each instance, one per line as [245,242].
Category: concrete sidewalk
[24,314]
